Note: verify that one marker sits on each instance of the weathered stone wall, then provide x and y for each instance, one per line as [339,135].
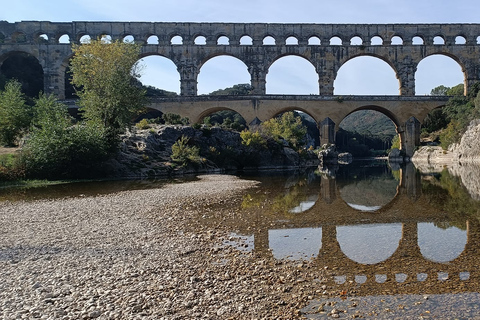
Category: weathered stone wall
[393,43]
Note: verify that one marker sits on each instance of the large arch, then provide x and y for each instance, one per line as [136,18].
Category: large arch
[352,75]
[441,244]
[220,72]
[25,68]
[160,72]
[436,70]
[298,70]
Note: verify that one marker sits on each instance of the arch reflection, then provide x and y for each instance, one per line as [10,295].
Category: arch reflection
[295,244]
[369,244]
[439,244]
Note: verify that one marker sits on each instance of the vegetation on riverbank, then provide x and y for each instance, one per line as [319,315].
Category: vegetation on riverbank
[448,124]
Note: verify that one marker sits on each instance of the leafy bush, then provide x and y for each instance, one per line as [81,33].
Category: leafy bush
[172,118]
[58,149]
[183,153]
[287,127]
[253,139]
[143,124]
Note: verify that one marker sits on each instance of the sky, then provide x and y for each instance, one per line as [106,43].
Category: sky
[289,75]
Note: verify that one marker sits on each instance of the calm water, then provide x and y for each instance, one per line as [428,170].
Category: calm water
[394,243]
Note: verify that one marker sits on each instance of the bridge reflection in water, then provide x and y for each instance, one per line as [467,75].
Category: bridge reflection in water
[404,246]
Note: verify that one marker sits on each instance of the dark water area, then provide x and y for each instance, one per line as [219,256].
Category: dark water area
[392,243]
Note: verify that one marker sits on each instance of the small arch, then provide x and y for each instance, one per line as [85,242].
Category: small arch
[335,41]
[85,39]
[417,40]
[439,40]
[106,38]
[356,41]
[397,41]
[314,41]
[129,39]
[291,41]
[376,41]
[246,41]
[176,40]
[269,41]
[19,37]
[460,40]
[200,41]
[42,38]
[64,39]
[478,40]
[153,39]
[223,41]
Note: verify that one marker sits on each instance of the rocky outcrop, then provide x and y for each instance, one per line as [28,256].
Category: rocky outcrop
[434,158]
[146,153]
[330,155]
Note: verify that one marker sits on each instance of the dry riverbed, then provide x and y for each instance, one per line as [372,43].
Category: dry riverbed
[141,255]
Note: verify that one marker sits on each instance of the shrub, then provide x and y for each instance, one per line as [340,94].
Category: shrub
[253,139]
[183,153]
[142,124]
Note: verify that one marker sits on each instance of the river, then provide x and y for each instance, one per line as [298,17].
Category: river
[393,243]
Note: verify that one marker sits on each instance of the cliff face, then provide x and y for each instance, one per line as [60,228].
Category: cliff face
[468,150]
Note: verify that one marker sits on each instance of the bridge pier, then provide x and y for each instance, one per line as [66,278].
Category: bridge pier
[411,136]
[327,131]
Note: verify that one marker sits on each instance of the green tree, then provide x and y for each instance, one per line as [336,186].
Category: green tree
[439,91]
[107,74]
[15,114]
[287,127]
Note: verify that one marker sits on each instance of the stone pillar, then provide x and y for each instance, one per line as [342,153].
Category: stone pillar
[411,135]
[188,79]
[406,75]
[472,76]
[411,182]
[329,189]
[326,77]
[258,78]
[327,131]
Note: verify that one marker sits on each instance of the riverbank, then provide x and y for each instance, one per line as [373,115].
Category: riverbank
[141,254]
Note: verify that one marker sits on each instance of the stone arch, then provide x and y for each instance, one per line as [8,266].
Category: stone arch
[223,40]
[294,71]
[335,41]
[63,39]
[314,41]
[200,40]
[163,72]
[439,40]
[106,38]
[418,40]
[152,39]
[368,60]
[219,64]
[269,40]
[128,38]
[209,111]
[246,40]
[84,38]
[396,121]
[26,68]
[460,40]
[291,40]
[42,38]
[176,39]
[397,40]
[376,40]
[356,41]
[425,73]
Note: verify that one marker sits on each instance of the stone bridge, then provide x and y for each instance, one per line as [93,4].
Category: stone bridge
[258,45]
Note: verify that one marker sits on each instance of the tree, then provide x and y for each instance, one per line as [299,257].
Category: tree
[439,91]
[287,127]
[107,74]
[15,114]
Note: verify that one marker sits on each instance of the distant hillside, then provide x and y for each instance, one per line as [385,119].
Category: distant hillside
[369,122]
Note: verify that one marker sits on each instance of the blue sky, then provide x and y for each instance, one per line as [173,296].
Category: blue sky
[288,75]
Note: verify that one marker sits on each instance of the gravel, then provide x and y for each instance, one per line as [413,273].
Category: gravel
[141,255]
